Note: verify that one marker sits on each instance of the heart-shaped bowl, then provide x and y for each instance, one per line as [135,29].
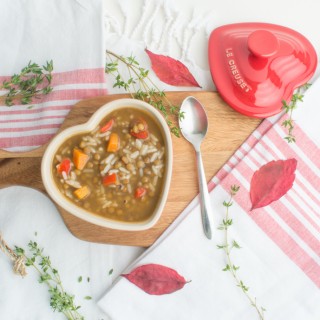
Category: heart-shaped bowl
[50,168]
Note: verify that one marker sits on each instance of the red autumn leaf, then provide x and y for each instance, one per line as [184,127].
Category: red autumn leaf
[271,182]
[171,71]
[156,279]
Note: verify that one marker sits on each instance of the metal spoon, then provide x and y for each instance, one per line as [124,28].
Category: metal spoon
[194,127]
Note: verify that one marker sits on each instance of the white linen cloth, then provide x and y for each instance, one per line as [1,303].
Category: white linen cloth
[280,255]
[68,32]
[35,218]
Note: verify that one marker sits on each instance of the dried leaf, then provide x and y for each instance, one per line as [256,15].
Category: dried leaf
[171,71]
[156,279]
[271,182]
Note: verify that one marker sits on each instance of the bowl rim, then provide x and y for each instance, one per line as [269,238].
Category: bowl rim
[93,121]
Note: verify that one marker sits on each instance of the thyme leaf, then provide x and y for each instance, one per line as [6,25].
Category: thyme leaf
[289,108]
[32,82]
[140,86]
[60,300]
[227,246]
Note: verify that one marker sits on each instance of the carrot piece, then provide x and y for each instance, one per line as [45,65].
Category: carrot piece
[114,143]
[82,192]
[80,158]
[64,166]
[110,179]
[140,192]
[108,126]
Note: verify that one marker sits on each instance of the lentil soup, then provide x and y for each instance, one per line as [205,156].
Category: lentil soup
[116,170]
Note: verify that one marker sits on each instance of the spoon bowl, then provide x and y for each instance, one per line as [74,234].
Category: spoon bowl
[194,127]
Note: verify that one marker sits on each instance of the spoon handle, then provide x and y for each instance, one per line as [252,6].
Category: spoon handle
[204,197]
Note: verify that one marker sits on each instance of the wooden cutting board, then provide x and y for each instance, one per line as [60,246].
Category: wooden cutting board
[227,130]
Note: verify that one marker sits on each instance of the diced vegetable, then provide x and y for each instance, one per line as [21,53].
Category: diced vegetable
[64,166]
[82,192]
[116,169]
[108,126]
[110,179]
[80,158]
[140,135]
[114,143]
[140,192]
[139,129]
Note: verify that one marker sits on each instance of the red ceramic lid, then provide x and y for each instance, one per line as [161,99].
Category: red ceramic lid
[257,65]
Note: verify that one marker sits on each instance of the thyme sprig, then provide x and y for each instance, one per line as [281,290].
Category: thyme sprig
[32,82]
[228,246]
[60,300]
[141,87]
[289,108]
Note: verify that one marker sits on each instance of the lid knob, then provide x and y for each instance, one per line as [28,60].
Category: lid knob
[263,43]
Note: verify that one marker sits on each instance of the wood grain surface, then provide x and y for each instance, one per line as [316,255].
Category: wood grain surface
[227,130]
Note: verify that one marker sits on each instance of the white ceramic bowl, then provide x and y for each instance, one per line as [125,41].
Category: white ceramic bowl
[96,118]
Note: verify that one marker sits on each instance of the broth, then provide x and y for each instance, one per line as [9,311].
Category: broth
[116,170]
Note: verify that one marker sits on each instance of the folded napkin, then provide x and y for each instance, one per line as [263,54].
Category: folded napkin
[279,257]
[69,32]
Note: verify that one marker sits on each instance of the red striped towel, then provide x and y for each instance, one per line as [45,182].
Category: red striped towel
[72,36]
[293,222]
[280,255]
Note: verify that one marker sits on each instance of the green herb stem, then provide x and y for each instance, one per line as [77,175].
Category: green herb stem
[60,300]
[289,108]
[22,88]
[227,247]
[141,87]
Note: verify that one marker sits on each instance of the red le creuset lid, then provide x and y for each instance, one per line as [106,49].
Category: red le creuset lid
[257,65]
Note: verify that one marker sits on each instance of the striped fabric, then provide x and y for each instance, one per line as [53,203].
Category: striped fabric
[293,222]
[23,129]
[280,255]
